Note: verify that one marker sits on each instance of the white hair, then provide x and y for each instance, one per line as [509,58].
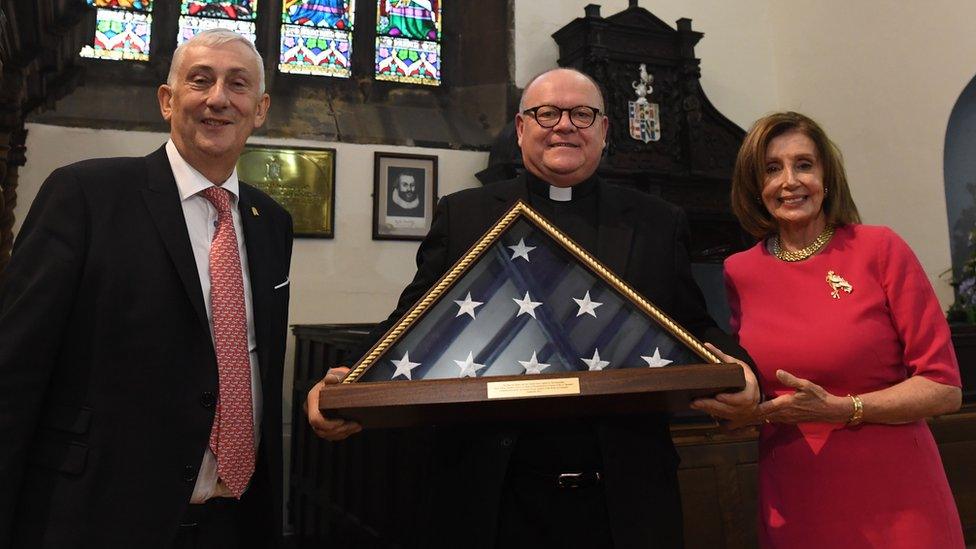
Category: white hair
[213,38]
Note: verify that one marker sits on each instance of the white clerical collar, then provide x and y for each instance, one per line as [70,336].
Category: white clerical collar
[560,194]
[191,182]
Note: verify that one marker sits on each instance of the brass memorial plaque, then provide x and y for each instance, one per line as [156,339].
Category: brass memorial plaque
[300,179]
[533,388]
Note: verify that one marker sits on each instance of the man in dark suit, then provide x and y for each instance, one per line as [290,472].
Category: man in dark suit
[581,483]
[143,318]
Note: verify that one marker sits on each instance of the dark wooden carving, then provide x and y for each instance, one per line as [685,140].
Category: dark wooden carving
[39,44]
[691,165]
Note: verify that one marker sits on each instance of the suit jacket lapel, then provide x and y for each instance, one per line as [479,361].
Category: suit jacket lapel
[258,251]
[163,201]
[615,230]
[505,193]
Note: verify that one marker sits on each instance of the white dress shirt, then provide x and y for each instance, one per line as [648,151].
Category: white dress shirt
[201,224]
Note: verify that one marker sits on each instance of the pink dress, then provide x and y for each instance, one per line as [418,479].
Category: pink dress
[829,485]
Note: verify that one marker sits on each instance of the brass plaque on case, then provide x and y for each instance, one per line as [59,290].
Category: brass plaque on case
[525,312]
[533,388]
[301,179]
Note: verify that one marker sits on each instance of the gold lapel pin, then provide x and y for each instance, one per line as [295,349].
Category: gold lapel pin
[838,284]
[255,211]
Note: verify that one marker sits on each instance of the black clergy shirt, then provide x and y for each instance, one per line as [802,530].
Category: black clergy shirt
[565,445]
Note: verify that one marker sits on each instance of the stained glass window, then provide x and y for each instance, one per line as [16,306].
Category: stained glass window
[316,37]
[200,15]
[138,5]
[408,41]
[122,30]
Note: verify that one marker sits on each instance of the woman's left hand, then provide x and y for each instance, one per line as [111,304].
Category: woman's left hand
[810,402]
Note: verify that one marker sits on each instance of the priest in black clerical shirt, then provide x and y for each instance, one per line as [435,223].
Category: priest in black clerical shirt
[604,482]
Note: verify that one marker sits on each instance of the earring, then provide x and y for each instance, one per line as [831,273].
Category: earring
[826,190]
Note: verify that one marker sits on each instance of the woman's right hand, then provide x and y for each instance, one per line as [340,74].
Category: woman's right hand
[329,429]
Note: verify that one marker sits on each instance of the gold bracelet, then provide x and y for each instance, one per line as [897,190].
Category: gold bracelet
[857,416]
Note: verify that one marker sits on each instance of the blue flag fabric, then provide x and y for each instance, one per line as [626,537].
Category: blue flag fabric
[528,306]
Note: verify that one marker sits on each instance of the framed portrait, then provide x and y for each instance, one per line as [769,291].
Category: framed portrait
[301,179]
[404,195]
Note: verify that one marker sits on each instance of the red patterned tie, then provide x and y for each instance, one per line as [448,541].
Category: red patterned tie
[232,436]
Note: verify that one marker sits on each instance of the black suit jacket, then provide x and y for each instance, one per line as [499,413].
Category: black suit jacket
[107,366]
[645,241]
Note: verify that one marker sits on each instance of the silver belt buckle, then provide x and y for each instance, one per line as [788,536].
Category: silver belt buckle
[577,480]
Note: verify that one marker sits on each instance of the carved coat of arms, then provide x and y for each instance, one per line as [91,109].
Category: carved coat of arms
[645,117]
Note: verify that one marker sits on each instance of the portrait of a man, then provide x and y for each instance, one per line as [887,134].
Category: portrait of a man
[406,192]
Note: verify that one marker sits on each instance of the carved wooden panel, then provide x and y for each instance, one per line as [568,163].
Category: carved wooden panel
[690,163]
[690,157]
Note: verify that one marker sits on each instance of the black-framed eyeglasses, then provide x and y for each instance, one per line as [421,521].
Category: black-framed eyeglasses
[548,116]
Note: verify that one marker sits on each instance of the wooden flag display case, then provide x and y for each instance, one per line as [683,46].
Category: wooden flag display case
[527,325]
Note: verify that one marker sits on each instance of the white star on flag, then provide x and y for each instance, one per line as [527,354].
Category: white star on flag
[404,366]
[521,250]
[469,367]
[656,361]
[467,306]
[586,306]
[533,366]
[526,305]
[595,363]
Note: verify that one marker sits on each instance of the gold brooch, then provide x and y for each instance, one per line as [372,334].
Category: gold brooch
[837,283]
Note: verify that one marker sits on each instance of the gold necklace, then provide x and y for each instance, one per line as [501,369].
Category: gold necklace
[800,255]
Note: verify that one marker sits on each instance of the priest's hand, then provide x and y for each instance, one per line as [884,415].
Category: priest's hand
[329,429]
[809,402]
[741,408]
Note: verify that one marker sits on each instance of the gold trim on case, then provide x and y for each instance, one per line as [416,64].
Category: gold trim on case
[478,249]
[621,286]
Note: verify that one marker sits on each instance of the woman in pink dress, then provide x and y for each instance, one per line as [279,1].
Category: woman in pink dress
[852,350]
